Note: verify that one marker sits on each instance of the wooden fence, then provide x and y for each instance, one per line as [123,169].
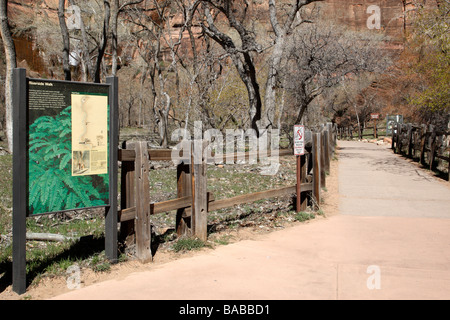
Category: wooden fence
[424,143]
[193,202]
[351,132]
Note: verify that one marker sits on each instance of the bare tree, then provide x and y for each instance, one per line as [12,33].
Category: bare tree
[240,53]
[92,34]
[152,35]
[320,57]
[101,48]
[116,9]
[11,63]
[292,19]
[85,61]
[66,40]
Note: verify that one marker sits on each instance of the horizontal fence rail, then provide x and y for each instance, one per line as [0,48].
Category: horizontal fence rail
[350,132]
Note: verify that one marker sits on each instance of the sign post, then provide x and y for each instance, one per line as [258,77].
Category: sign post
[299,151]
[391,123]
[375,117]
[65,155]
[20,164]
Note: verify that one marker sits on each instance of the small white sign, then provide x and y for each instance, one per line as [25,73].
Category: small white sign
[299,140]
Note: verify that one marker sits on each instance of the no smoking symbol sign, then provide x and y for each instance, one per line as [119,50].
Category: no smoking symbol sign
[299,140]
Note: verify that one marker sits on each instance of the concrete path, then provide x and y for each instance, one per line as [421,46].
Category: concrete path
[376,182]
[391,240]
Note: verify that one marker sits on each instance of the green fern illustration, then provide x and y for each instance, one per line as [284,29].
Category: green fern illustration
[52,187]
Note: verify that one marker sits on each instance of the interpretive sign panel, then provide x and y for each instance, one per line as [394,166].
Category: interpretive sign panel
[68,146]
[65,155]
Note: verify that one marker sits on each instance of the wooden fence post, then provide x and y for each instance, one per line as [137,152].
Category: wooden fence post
[410,142]
[375,133]
[399,138]
[448,179]
[331,139]
[323,157]
[127,196]
[393,138]
[184,189]
[299,183]
[143,227]
[432,151]
[316,167]
[423,144]
[303,173]
[199,217]
[439,144]
[327,144]
[301,199]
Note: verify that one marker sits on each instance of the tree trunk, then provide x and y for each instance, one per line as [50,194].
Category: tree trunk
[271,84]
[66,40]
[87,70]
[10,53]
[247,72]
[280,113]
[254,94]
[141,99]
[163,119]
[281,31]
[242,60]
[114,40]
[103,41]
[116,9]
[359,124]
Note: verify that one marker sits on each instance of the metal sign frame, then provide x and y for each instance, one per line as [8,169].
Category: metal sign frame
[21,174]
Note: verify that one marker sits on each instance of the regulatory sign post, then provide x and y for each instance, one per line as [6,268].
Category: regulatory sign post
[299,140]
[299,151]
[65,155]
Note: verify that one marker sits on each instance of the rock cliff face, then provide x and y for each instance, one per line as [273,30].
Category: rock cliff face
[383,16]
[357,14]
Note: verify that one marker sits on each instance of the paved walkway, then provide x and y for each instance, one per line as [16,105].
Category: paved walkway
[391,240]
